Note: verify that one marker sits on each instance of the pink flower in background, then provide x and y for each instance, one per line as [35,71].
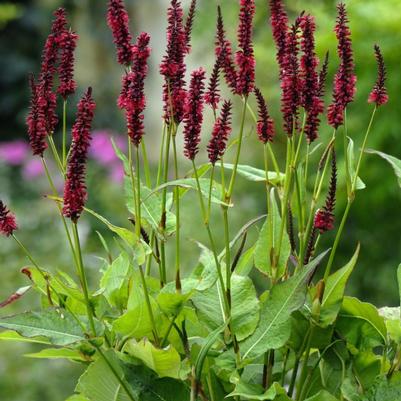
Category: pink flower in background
[117,173]
[32,169]
[102,150]
[14,153]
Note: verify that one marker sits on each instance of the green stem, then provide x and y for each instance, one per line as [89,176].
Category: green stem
[160,164]
[83,278]
[209,203]
[138,218]
[64,134]
[178,220]
[237,157]
[304,370]
[55,154]
[132,178]
[148,179]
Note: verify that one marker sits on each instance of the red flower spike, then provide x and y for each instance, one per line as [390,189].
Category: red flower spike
[224,52]
[173,66]
[118,21]
[290,83]
[379,92]
[212,96]
[194,114]
[66,68]
[75,193]
[8,223]
[324,218]
[279,22]
[323,77]
[221,131]
[245,57]
[265,124]
[189,24]
[345,79]
[36,121]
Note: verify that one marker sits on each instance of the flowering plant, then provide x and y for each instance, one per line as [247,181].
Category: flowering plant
[154,331]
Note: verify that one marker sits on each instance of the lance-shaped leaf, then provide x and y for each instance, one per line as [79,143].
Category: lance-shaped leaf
[58,353]
[59,327]
[248,391]
[394,162]
[275,327]
[351,165]
[268,243]
[334,292]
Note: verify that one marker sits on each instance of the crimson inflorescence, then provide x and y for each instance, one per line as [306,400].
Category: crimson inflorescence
[324,218]
[290,82]
[323,76]
[36,121]
[221,131]
[173,66]
[225,54]
[212,95]
[244,57]
[345,78]
[118,21]
[279,23]
[379,94]
[75,193]
[189,24]
[8,223]
[194,114]
[265,124]
[132,97]
[66,68]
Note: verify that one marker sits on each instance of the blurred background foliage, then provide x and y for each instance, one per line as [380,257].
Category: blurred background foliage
[375,219]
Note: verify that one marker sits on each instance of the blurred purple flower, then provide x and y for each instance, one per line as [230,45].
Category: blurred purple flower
[32,169]
[117,173]
[101,148]
[14,152]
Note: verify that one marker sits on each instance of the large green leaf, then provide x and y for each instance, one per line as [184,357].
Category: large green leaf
[384,389]
[245,306]
[360,323]
[249,391]
[58,353]
[10,335]
[77,397]
[254,174]
[322,395]
[394,162]
[393,322]
[274,328]
[165,362]
[59,327]
[334,292]
[268,242]
[114,282]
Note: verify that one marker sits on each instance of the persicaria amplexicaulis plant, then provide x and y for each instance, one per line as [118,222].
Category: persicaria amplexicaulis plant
[156,328]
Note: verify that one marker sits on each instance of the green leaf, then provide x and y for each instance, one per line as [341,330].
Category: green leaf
[322,395]
[190,183]
[360,323]
[268,241]
[209,342]
[351,165]
[249,391]
[384,389]
[165,362]
[275,325]
[245,263]
[334,292]
[59,327]
[14,336]
[393,322]
[58,353]
[245,306]
[128,236]
[394,162]
[77,397]
[254,174]
[98,383]
[114,282]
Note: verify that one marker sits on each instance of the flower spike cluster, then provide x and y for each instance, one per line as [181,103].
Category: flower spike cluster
[173,66]
[66,68]
[345,79]
[244,57]
[224,53]
[75,193]
[323,76]
[8,223]
[265,124]
[324,218]
[194,114]
[221,131]
[118,21]
[36,121]
[379,94]
[132,97]
[189,24]
[212,95]
[279,23]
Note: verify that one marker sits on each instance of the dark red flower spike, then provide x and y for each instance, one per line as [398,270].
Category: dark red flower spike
[66,68]
[379,94]
[8,223]
[212,95]
[265,124]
